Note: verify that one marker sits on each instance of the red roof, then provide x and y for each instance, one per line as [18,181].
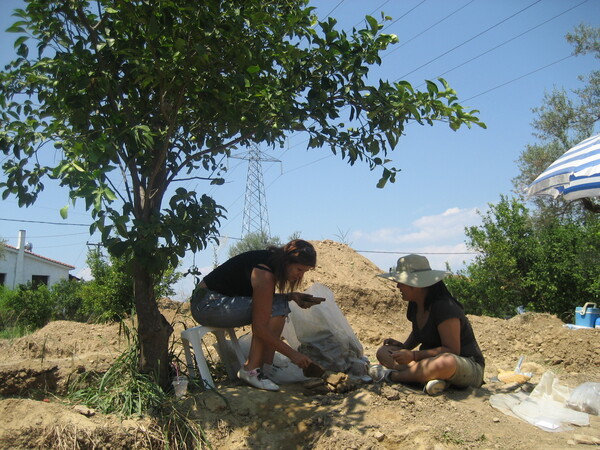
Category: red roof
[41,257]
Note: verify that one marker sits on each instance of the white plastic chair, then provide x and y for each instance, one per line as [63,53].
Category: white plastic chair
[194,337]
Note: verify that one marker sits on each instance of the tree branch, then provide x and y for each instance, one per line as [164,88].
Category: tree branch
[590,205]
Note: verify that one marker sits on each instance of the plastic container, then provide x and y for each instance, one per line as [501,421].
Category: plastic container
[587,315]
[180,385]
[598,322]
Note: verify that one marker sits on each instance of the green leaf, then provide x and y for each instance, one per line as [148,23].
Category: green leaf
[20,41]
[109,194]
[432,88]
[372,23]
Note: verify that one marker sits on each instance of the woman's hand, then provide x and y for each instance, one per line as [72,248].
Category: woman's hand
[300,360]
[403,356]
[394,342]
[305,301]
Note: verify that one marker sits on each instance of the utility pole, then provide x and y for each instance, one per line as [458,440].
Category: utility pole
[256,218]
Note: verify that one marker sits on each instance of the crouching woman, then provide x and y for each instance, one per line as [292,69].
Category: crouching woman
[242,291]
[448,353]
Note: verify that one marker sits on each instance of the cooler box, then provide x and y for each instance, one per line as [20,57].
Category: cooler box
[586,316]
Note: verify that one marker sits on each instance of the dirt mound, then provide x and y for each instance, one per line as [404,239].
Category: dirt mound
[352,278]
[373,416]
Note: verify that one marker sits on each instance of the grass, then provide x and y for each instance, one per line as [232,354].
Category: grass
[15,331]
[122,390]
[10,325]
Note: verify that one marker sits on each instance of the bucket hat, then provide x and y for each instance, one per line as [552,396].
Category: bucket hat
[414,270]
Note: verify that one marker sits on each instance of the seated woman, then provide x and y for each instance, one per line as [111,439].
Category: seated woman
[241,291]
[449,352]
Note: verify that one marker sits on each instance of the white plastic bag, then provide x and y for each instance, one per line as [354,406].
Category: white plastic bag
[323,334]
[586,398]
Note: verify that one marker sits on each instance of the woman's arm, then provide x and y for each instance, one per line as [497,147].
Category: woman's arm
[449,331]
[409,343]
[263,288]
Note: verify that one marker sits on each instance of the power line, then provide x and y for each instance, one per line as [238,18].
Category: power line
[374,11]
[426,30]
[403,15]
[47,223]
[420,253]
[468,40]
[518,78]
[334,8]
[508,40]
[48,236]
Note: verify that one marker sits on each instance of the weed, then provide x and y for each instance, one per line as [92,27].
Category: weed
[450,438]
[124,391]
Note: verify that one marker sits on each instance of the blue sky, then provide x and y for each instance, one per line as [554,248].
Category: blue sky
[500,57]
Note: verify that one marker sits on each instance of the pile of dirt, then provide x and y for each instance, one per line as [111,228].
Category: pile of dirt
[371,416]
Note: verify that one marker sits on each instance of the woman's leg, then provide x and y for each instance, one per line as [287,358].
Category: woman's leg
[276,326]
[259,352]
[440,367]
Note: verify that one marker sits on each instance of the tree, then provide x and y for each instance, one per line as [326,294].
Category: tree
[138,96]
[561,122]
[258,241]
[547,267]
[494,284]
[110,294]
[541,258]
[254,241]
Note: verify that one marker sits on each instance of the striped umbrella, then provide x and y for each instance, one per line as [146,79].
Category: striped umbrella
[576,174]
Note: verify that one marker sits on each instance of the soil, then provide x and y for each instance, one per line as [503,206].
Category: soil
[35,372]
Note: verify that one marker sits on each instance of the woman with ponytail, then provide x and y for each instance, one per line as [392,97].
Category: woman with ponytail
[254,288]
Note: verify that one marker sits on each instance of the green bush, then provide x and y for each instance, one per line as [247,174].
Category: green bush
[67,301]
[9,320]
[545,266]
[108,297]
[31,305]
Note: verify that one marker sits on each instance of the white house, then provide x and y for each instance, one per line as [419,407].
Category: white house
[20,266]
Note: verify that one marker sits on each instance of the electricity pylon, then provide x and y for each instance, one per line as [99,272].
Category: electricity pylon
[256,217]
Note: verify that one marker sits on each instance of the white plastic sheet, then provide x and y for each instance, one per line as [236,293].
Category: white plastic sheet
[545,407]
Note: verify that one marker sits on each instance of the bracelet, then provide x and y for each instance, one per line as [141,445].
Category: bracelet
[414,356]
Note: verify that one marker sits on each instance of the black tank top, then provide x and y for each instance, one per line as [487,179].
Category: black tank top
[440,310]
[233,276]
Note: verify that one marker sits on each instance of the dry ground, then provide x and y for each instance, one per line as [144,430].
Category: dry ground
[380,416]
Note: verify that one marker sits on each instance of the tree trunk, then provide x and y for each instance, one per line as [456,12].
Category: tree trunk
[153,329]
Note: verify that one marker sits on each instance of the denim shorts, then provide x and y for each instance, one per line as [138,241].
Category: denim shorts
[212,309]
[468,373]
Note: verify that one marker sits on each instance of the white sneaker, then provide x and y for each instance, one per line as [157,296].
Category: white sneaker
[257,379]
[378,373]
[435,387]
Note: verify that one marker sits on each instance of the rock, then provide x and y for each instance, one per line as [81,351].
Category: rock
[379,436]
[339,382]
[390,393]
[84,410]
[586,439]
